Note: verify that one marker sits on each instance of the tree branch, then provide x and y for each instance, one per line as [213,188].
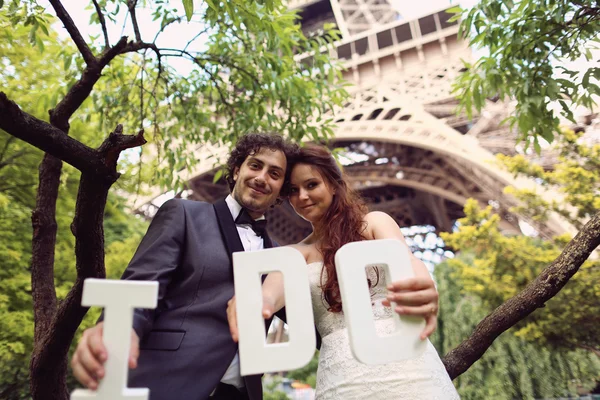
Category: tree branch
[162,29]
[102,23]
[135,46]
[46,137]
[64,16]
[136,29]
[43,244]
[212,77]
[110,53]
[552,279]
[116,142]
[83,87]
[80,91]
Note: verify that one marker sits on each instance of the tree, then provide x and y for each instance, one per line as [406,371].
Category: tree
[16,308]
[123,233]
[576,177]
[501,267]
[245,79]
[528,42]
[513,367]
[524,39]
[308,373]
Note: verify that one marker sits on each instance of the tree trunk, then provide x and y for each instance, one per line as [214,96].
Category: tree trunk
[53,338]
[43,243]
[49,359]
[48,380]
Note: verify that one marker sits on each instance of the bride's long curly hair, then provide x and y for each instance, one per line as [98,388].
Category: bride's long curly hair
[345,218]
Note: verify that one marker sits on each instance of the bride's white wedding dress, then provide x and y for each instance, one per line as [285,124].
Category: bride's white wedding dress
[341,376]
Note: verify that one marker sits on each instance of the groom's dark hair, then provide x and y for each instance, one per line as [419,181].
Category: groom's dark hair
[252,143]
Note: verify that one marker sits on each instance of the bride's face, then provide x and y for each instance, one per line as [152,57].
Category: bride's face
[310,195]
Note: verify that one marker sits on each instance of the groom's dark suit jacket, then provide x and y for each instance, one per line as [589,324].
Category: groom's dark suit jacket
[185,344]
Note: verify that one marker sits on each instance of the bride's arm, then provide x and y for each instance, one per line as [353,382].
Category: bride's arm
[273,301]
[272,289]
[414,296]
[273,297]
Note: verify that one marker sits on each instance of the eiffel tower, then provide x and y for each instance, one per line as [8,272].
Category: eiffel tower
[405,148]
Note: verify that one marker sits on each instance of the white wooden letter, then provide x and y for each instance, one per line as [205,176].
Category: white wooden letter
[256,356]
[367,346]
[118,298]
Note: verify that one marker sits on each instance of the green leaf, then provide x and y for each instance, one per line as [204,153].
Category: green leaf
[211,4]
[548,135]
[43,27]
[188,5]
[586,78]
[32,34]
[567,111]
[454,10]
[40,43]
[218,175]
[536,145]
[67,62]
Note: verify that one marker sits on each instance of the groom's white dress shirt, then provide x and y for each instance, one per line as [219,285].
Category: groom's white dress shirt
[251,242]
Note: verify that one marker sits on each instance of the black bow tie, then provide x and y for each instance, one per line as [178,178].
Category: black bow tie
[259,227]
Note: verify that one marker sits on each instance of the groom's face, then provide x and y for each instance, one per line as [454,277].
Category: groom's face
[259,179]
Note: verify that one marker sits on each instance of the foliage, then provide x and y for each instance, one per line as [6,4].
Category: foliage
[576,176]
[501,266]
[38,82]
[16,316]
[16,309]
[527,42]
[27,73]
[512,368]
[244,78]
[272,392]
[308,373]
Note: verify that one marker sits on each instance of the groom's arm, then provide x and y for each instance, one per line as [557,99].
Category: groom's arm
[157,257]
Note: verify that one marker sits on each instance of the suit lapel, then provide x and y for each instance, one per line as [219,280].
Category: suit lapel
[228,228]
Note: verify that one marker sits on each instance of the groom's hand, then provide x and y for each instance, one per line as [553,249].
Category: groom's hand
[89,358]
[415,296]
[267,312]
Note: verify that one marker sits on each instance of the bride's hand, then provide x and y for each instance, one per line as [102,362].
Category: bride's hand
[267,312]
[232,319]
[417,297]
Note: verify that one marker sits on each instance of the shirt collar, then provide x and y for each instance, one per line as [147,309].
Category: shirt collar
[235,208]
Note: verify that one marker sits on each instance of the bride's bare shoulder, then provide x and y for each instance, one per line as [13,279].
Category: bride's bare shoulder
[301,247]
[307,249]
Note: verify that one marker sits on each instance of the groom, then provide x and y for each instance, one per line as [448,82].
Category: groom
[183,348]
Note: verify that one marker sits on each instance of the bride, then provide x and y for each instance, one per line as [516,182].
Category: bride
[319,194]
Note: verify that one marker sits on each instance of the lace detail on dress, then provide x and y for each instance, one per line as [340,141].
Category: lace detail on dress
[341,376]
